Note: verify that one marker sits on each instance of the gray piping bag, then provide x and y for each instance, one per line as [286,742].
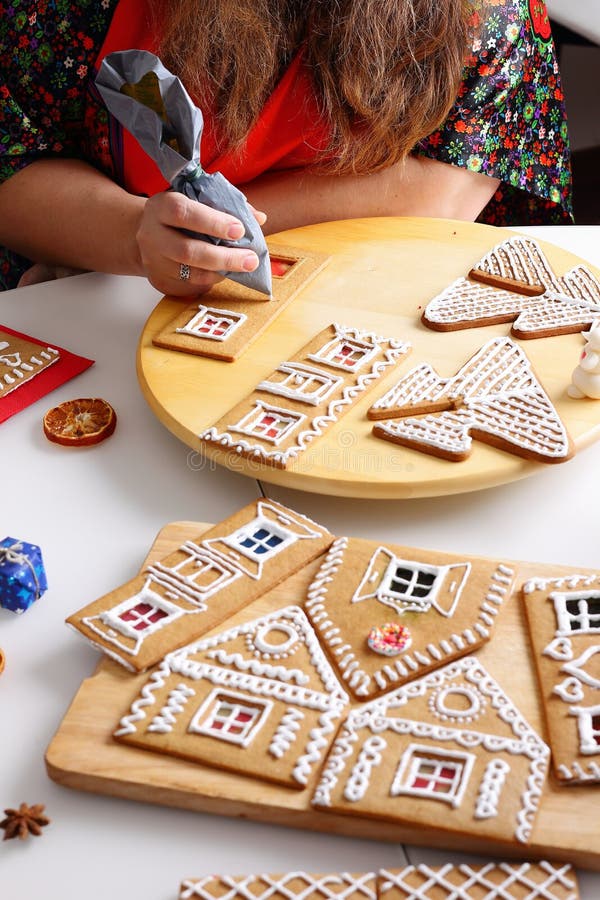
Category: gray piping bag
[155,107]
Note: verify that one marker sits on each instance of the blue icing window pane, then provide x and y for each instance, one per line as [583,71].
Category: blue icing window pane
[274,540]
[260,549]
[247,542]
[261,534]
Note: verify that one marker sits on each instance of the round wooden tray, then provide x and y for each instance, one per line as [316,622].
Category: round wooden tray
[381,274]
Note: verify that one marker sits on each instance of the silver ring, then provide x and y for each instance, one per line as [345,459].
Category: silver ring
[184,272]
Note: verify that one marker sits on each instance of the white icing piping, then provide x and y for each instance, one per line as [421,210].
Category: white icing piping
[286,732]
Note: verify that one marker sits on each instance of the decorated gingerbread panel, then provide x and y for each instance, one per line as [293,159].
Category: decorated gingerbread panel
[204,582]
[494,398]
[563,616]
[260,699]
[387,614]
[289,886]
[305,395]
[21,360]
[514,282]
[448,751]
[229,318]
[489,881]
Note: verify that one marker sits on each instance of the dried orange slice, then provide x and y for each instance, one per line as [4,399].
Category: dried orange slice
[80,423]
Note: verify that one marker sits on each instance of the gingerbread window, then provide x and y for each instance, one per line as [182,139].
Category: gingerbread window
[214,324]
[588,722]
[260,539]
[270,423]
[577,611]
[229,716]
[433,773]
[142,614]
[201,572]
[298,381]
[349,355]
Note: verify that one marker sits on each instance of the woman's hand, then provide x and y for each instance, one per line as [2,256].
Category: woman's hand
[183,266]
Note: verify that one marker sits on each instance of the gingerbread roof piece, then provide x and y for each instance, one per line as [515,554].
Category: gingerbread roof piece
[387,613]
[563,616]
[495,398]
[519,286]
[205,581]
[305,395]
[260,699]
[449,750]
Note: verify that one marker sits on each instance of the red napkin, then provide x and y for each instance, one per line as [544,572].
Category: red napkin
[68,366]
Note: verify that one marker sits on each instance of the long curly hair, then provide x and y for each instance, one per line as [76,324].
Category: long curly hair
[385,72]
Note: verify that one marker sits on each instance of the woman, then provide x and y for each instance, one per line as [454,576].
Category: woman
[319,111]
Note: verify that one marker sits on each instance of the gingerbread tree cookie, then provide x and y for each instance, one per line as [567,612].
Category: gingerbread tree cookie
[201,584]
[389,613]
[305,395]
[563,616]
[260,699]
[448,751]
[495,398]
[514,282]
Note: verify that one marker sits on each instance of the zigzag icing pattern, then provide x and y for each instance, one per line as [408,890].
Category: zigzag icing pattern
[341,886]
[495,393]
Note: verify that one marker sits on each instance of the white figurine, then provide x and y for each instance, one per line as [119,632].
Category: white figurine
[586,377]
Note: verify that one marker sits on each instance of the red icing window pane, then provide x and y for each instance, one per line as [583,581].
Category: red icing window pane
[447,773]
[280,267]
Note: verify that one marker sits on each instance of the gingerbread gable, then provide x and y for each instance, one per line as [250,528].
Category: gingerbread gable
[264,685]
[495,398]
[564,625]
[448,750]
[203,583]
[433,607]
[305,395]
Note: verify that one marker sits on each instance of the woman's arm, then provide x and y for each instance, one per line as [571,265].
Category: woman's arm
[63,212]
[418,187]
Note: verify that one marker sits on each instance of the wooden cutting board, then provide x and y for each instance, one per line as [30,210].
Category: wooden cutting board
[82,754]
[381,275]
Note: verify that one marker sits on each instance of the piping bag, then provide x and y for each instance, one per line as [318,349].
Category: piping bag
[154,106]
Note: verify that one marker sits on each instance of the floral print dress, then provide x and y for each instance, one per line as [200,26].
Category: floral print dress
[508,120]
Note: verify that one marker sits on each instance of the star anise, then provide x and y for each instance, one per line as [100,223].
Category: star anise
[24,821]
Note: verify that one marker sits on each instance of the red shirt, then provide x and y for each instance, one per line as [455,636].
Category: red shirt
[288,134]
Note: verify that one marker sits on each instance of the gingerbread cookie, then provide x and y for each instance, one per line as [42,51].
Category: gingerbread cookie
[386,613]
[563,616]
[305,394]
[516,283]
[486,881]
[291,886]
[21,360]
[228,320]
[448,751]
[495,398]
[174,601]
[489,881]
[260,699]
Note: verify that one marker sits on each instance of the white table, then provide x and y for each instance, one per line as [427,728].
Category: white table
[95,513]
[581,16]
